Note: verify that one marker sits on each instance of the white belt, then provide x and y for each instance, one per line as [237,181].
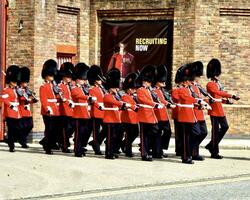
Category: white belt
[52,100]
[185,105]
[5,96]
[110,109]
[144,106]
[218,100]
[81,104]
[14,103]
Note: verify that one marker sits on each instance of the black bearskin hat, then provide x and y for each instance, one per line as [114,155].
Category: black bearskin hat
[49,68]
[113,78]
[94,74]
[198,65]
[81,71]
[183,73]
[13,74]
[148,73]
[130,81]
[162,74]
[67,70]
[213,68]
[25,75]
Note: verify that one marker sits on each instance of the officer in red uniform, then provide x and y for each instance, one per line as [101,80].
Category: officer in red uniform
[66,106]
[186,116]
[149,133]
[175,112]
[162,114]
[129,117]
[11,108]
[97,90]
[81,114]
[199,128]
[217,115]
[112,115]
[49,105]
[26,98]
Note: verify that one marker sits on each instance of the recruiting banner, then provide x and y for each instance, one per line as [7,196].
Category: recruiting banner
[130,45]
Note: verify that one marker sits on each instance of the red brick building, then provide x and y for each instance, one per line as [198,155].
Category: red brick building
[70,30]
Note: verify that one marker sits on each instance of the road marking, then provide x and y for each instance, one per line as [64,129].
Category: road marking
[120,191]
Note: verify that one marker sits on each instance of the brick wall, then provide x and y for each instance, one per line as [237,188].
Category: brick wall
[202,30]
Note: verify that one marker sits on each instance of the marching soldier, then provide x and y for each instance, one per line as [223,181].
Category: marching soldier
[12,113]
[162,114]
[175,112]
[26,98]
[81,114]
[66,106]
[129,117]
[186,116]
[49,105]
[199,128]
[97,90]
[217,115]
[112,115]
[147,119]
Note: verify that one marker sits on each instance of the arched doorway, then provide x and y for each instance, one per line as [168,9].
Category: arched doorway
[3,22]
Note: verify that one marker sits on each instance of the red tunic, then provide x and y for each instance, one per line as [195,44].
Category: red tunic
[129,116]
[146,115]
[64,107]
[9,97]
[214,89]
[80,110]
[186,110]
[98,93]
[175,97]
[198,113]
[48,100]
[161,114]
[112,116]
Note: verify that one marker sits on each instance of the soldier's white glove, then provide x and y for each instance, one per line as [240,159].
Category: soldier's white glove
[71,104]
[100,107]
[94,98]
[49,110]
[159,105]
[128,105]
[27,107]
[14,106]
[172,106]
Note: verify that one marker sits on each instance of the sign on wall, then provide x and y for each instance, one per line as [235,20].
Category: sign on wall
[146,42]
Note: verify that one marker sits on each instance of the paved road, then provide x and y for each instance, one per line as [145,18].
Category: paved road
[239,190]
[32,174]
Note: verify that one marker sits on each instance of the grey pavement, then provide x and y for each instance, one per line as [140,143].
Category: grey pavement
[29,173]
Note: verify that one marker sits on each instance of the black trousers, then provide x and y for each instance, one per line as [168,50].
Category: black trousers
[50,132]
[111,130]
[165,132]
[187,140]
[66,126]
[14,131]
[97,126]
[27,126]
[149,135]
[118,139]
[131,133]
[178,130]
[219,129]
[81,129]
[199,133]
